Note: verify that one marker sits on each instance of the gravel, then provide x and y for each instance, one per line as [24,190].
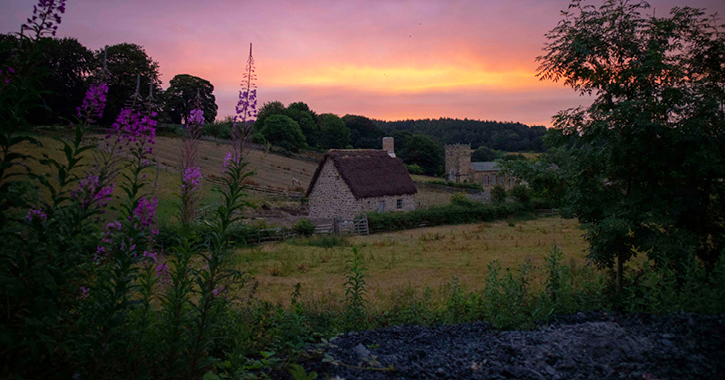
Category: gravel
[592,345]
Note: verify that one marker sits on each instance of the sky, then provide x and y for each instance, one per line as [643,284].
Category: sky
[386,60]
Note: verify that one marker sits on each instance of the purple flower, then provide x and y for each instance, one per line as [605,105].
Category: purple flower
[104,195]
[145,211]
[132,127]
[196,117]
[84,292]
[88,187]
[192,177]
[36,213]
[228,160]
[162,273]
[150,256]
[246,106]
[94,103]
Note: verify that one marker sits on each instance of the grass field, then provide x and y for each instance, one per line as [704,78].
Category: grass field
[406,262]
[271,169]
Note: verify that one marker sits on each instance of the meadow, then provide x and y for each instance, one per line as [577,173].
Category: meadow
[408,261]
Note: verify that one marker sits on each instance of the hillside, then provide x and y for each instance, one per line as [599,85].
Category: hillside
[271,169]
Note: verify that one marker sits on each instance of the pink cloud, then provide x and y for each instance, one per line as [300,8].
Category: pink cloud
[380,58]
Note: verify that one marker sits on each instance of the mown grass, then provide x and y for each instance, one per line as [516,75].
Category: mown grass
[409,261]
[165,181]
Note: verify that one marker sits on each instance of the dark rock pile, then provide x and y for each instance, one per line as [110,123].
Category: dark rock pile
[593,345]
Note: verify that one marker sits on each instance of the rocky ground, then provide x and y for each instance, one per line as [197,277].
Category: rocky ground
[595,345]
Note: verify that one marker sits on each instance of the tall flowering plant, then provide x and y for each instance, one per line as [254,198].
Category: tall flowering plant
[213,280]
[190,172]
[19,79]
[246,107]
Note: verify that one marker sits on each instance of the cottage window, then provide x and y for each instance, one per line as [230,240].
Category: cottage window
[485,180]
[400,204]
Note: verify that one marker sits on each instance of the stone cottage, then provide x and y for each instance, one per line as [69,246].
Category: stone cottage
[348,183]
[460,169]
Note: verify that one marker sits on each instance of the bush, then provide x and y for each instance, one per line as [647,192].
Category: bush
[460,199]
[521,193]
[462,212]
[304,227]
[415,169]
[473,186]
[218,129]
[498,194]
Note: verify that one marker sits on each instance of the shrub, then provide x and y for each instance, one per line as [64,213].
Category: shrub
[218,129]
[521,193]
[473,186]
[470,212]
[460,199]
[415,169]
[304,227]
[498,194]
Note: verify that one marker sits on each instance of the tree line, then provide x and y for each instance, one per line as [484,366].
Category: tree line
[505,136]
[126,68]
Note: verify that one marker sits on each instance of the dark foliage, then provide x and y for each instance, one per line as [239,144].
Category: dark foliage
[364,134]
[125,62]
[468,212]
[507,136]
[181,97]
[645,172]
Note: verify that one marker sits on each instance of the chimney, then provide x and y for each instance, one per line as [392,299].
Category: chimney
[389,146]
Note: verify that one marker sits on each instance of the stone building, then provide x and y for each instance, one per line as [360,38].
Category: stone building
[348,183]
[460,169]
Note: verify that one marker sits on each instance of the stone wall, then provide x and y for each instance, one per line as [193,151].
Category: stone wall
[494,178]
[458,162]
[391,203]
[330,197]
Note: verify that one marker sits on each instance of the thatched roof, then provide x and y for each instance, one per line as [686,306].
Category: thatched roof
[368,173]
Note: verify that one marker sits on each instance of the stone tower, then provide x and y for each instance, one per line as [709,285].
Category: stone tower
[458,163]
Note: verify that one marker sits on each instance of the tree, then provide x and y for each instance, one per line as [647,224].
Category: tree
[542,174]
[484,154]
[647,165]
[125,62]
[423,151]
[498,194]
[69,64]
[307,120]
[181,97]
[283,131]
[267,110]
[335,135]
[363,132]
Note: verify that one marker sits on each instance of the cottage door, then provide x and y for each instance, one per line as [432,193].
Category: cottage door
[381,206]
[452,175]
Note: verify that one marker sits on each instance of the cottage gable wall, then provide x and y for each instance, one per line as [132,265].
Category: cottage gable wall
[331,197]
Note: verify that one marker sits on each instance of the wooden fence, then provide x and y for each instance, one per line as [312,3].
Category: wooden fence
[548,212]
[357,226]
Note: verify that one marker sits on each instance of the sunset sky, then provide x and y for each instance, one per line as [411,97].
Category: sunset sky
[382,59]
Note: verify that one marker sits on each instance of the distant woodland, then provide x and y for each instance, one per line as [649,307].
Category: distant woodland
[506,136]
